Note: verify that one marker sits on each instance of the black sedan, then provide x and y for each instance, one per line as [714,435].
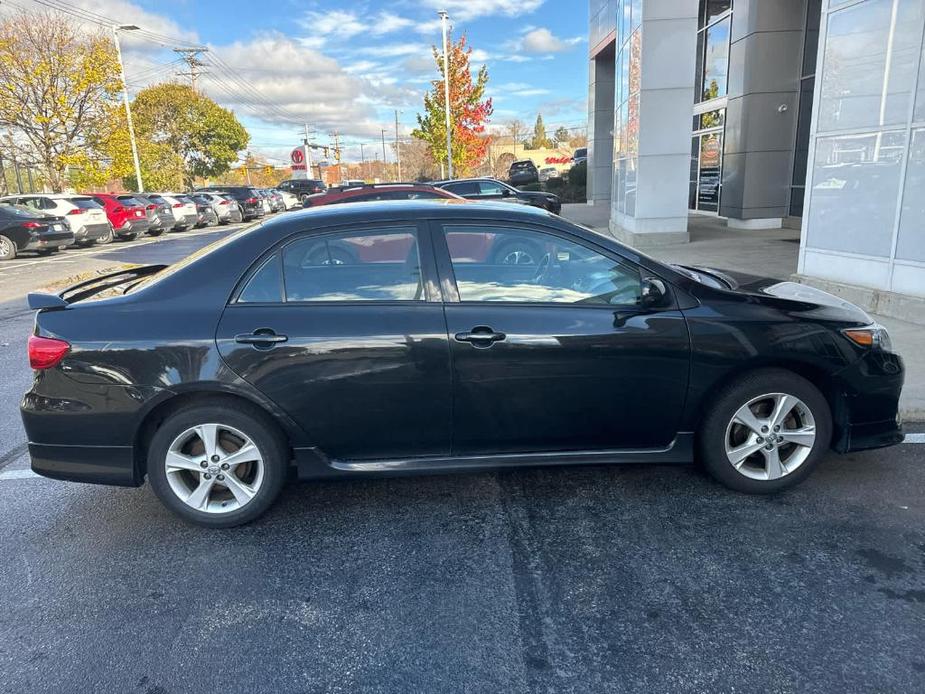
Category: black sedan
[396,337]
[493,189]
[25,229]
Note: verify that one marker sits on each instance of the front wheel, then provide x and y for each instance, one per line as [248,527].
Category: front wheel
[216,465]
[765,432]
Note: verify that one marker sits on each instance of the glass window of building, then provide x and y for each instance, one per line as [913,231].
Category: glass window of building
[804,114]
[712,64]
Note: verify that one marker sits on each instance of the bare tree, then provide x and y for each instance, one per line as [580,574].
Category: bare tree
[56,85]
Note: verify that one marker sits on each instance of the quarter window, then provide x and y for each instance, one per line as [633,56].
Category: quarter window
[511,265]
[367,266]
[464,188]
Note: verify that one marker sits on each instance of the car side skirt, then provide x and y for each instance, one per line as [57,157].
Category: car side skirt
[313,464]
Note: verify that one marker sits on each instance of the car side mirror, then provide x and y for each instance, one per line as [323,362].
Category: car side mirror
[654,293]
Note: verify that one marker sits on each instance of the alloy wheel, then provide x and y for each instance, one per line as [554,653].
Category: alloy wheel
[7,250]
[214,468]
[770,436]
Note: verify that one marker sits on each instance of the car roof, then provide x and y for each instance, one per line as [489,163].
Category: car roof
[381,210]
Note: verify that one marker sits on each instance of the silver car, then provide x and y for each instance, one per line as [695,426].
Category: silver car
[224,206]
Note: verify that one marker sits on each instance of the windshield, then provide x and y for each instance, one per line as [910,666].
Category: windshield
[700,276]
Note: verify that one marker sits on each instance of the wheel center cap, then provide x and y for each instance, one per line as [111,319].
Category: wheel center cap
[214,469]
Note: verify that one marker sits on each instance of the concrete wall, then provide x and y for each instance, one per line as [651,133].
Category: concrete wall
[864,213]
[656,48]
[761,112]
[600,126]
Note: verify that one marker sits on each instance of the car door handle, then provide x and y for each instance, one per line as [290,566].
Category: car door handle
[480,336]
[261,338]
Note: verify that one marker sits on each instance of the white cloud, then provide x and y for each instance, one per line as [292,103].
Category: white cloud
[473,9]
[542,40]
[518,89]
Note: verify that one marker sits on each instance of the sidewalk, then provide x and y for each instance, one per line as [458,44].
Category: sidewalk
[770,253]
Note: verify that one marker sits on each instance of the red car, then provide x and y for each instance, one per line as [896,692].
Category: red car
[379,191]
[126,214]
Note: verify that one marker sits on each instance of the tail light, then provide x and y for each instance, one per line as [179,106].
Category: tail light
[251,201]
[178,204]
[118,209]
[33,225]
[46,352]
[223,202]
[151,207]
[76,210]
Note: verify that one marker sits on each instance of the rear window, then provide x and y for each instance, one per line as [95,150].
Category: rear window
[129,200]
[583,152]
[85,203]
[184,198]
[521,165]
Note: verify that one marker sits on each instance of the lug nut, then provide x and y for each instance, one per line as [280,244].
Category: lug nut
[760,440]
[203,464]
[777,428]
[764,429]
[225,466]
[207,476]
[214,458]
[220,477]
[770,446]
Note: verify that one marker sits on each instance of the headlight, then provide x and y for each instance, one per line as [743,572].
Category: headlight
[874,336]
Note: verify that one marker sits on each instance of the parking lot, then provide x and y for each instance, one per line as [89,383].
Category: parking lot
[590,579]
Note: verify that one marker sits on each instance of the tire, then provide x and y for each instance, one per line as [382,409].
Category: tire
[155,232]
[128,237]
[7,248]
[266,479]
[724,437]
[106,238]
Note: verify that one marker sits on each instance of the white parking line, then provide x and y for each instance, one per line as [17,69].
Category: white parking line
[71,255]
[914,438]
[19,475]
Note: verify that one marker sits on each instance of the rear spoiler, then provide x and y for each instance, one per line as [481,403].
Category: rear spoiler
[39,301]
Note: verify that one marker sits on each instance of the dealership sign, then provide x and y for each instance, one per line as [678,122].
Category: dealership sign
[299,159]
[565,159]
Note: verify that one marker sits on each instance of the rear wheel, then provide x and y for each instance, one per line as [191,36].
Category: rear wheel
[217,466]
[106,238]
[765,432]
[156,232]
[7,248]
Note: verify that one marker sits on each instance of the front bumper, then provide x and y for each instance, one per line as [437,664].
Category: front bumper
[867,415]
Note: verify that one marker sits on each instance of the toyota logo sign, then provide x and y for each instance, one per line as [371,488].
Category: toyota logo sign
[297,156]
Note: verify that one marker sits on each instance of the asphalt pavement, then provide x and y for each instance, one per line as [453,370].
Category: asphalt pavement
[629,578]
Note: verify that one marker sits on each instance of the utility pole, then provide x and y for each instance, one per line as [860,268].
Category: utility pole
[363,161]
[444,17]
[383,150]
[128,108]
[308,154]
[190,56]
[397,145]
[340,172]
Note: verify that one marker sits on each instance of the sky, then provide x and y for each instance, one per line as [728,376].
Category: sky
[346,65]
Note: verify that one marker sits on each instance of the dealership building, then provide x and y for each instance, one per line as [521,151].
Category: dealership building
[768,113]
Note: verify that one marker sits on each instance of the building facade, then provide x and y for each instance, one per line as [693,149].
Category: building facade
[809,113]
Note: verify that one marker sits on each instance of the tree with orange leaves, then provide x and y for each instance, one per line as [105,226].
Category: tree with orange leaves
[468,111]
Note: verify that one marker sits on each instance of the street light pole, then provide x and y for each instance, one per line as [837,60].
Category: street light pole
[384,167]
[128,109]
[397,145]
[446,94]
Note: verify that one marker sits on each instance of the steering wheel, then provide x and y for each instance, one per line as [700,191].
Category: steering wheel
[542,268]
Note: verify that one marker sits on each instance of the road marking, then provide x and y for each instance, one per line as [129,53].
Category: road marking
[18,475]
[914,438]
[74,253]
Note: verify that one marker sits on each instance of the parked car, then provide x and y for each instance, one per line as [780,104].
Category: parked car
[290,201]
[379,191]
[26,229]
[247,197]
[84,216]
[205,215]
[159,214]
[302,188]
[522,173]
[580,155]
[127,216]
[224,206]
[155,226]
[548,172]
[276,200]
[493,189]
[183,210]
[259,357]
